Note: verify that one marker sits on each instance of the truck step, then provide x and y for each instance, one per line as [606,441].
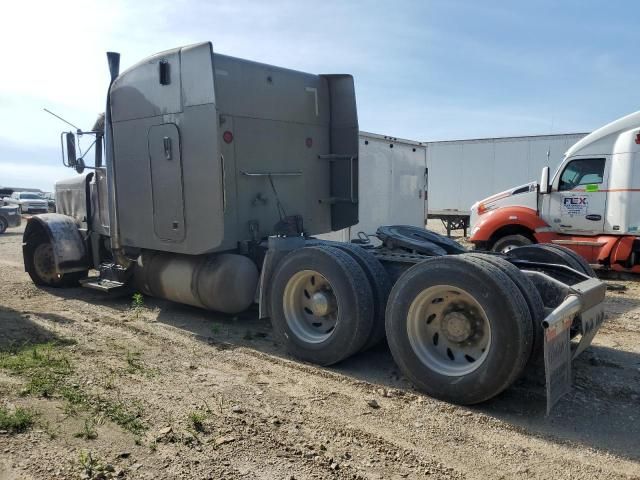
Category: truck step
[105,285]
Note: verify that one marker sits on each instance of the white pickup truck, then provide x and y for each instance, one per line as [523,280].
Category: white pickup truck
[27,202]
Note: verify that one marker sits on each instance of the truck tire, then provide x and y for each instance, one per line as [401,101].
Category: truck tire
[3,225]
[380,287]
[550,253]
[321,304]
[40,266]
[528,291]
[505,244]
[459,328]
[580,262]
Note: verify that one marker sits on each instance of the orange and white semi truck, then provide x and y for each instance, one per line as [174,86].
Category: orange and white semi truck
[591,204]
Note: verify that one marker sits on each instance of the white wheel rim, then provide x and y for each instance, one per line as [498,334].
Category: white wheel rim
[310,306]
[448,330]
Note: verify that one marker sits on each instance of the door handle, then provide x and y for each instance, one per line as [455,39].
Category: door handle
[167,147]
[594,218]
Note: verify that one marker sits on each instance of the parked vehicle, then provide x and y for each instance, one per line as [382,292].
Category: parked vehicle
[51,201]
[9,217]
[591,205]
[462,171]
[218,174]
[27,202]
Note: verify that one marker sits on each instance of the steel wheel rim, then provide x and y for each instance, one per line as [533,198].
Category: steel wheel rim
[310,306]
[508,248]
[44,264]
[448,330]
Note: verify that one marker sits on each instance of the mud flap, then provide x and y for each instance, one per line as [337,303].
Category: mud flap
[557,360]
[590,322]
[586,303]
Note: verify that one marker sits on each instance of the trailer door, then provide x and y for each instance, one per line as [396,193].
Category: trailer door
[408,185]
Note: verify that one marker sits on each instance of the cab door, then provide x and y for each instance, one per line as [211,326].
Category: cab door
[579,196]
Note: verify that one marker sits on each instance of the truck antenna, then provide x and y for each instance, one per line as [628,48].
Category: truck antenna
[60,118]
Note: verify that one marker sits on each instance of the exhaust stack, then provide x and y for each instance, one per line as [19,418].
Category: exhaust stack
[113,59]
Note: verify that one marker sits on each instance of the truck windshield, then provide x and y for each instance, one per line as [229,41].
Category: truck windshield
[30,196]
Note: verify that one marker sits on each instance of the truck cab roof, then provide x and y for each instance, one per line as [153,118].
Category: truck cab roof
[609,139]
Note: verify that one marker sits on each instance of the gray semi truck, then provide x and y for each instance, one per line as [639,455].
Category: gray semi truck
[211,178]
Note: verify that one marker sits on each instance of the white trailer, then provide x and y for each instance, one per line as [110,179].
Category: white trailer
[392,180]
[461,172]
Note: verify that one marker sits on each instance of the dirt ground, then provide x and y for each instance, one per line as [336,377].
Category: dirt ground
[161,390]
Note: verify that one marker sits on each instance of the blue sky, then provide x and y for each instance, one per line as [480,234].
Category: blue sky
[424,70]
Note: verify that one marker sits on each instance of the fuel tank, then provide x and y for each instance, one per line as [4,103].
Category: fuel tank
[223,282]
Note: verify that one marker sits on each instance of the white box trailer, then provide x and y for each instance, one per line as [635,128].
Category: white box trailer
[461,172]
[392,180]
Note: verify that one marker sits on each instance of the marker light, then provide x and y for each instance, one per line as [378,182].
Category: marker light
[227,137]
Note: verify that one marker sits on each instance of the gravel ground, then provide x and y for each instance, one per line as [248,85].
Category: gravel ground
[215,397]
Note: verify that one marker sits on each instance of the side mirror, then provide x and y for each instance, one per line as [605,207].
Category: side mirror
[71,149]
[79,165]
[544,181]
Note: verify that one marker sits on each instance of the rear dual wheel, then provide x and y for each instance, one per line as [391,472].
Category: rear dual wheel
[379,281]
[321,304]
[459,328]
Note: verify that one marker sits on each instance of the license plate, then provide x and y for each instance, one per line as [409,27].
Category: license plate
[557,360]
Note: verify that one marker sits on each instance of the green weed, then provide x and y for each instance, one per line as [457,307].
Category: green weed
[197,419]
[44,366]
[89,431]
[16,421]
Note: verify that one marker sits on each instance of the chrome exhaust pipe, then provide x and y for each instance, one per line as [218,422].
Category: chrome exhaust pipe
[113,59]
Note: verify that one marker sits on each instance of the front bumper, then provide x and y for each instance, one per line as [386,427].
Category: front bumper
[14,219]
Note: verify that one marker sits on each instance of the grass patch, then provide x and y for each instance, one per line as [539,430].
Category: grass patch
[128,417]
[89,431]
[134,364]
[16,421]
[196,420]
[90,465]
[47,370]
[44,366]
